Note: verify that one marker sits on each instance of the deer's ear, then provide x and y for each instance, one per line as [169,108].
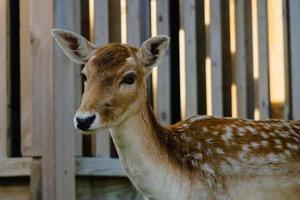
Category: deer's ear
[153,49]
[76,47]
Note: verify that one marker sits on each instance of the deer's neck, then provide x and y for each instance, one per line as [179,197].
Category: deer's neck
[138,141]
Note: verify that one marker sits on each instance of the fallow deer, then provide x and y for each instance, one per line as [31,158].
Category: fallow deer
[203,157]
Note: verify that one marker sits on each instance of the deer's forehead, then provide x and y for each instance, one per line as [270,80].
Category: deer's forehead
[112,56]
[111,61]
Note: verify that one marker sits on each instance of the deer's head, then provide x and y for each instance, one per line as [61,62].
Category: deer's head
[114,77]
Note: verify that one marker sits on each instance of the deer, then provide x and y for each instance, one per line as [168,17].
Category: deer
[203,157]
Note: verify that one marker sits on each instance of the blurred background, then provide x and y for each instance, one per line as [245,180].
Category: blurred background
[233,58]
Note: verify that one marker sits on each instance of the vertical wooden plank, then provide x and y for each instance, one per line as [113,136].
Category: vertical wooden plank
[101,28]
[32,53]
[4,74]
[36,179]
[36,84]
[279,76]
[263,59]
[133,23]
[101,141]
[294,17]
[215,47]
[188,63]
[163,99]
[26,80]
[243,59]
[241,65]
[66,91]
[138,23]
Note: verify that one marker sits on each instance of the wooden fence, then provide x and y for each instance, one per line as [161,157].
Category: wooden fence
[238,58]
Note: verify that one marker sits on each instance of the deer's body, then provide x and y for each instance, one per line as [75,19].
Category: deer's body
[200,158]
[211,158]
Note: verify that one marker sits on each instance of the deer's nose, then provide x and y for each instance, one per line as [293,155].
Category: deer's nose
[84,122]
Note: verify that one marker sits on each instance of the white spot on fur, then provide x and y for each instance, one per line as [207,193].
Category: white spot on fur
[251,129]
[287,152]
[199,145]
[279,146]
[242,130]
[264,143]
[245,147]
[242,156]
[208,169]
[198,156]
[264,135]
[205,130]
[273,157]
[272,134]
[292,146]
[208,152]
[254,145]
[215,133]
[277,141]
[219,150]
[228,135]
[130,60]
[209,141]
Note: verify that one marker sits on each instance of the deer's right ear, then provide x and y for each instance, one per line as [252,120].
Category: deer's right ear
[76,47]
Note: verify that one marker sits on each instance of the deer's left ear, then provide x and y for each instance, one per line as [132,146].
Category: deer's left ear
[76,47]
[153,49]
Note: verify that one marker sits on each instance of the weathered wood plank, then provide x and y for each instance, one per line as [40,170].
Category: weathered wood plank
[279,77]
[12,167]
[4,81]
[263,59]
[294,12]
[243,59]
[188,68]
[101,140]
[26,79]
[135,19]
[14,189]
[106,188]
[58,156]
[36,179]
[241,65]
[162,102]
[215,47]
[99,167]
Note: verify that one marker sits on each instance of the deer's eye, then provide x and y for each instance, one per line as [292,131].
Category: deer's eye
[129,79]
[83,77]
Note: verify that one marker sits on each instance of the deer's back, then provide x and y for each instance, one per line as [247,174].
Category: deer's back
[237,157]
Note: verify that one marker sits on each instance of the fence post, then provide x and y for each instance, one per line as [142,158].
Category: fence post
[188,64]
[279,75]
[294,11]
[4,77]
[244,65]
[163,90]
[215,52]
[101,141]
[263,59]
